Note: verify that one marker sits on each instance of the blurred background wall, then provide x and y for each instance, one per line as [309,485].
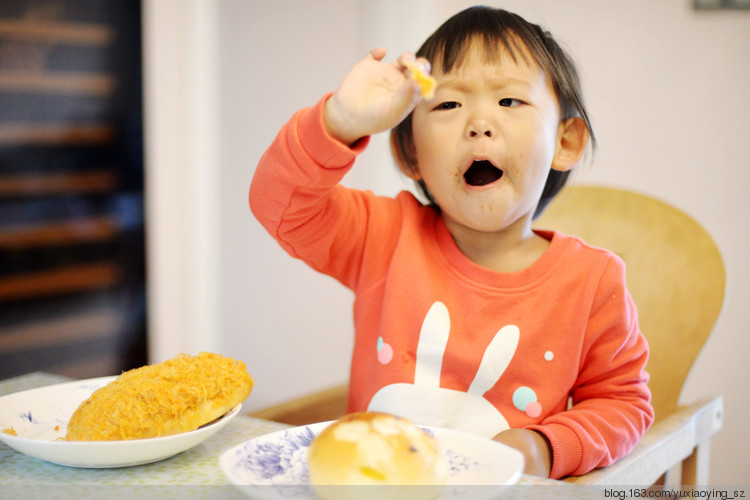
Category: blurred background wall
[666,87]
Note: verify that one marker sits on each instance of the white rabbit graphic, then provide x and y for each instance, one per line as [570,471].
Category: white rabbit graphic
[426,403]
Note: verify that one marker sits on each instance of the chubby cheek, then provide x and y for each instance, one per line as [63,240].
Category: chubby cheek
[434,159]
[531,179]
[433,139]
[548,140]
[536,159]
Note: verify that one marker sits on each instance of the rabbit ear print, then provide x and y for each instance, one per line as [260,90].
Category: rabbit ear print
[496,359]
[433,338]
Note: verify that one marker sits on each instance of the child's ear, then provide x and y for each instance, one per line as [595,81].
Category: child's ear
[572,139]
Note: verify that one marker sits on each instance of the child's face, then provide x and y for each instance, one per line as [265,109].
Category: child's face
[485,143]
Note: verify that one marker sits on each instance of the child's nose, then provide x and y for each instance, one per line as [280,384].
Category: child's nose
[480,128]
[481,132]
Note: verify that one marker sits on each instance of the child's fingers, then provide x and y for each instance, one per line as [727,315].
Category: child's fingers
[425,64]
[402,62]
[418,71]
[378,54]
[407,60]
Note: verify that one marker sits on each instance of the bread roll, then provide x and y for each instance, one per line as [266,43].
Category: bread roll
[376,449]
[176,396]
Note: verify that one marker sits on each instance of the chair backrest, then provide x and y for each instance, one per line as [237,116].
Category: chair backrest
[674,272]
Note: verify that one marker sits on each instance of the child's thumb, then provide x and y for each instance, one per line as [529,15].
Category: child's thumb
[378,53]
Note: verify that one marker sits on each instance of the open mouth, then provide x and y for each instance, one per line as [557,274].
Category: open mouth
[481,173]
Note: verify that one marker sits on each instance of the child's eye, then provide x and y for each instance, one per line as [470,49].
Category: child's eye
[448,105]
[509,102]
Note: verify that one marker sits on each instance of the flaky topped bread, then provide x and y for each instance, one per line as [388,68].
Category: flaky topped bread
[175,396]
[376,449]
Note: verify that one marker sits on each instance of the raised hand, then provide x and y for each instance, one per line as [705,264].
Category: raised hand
[374,97]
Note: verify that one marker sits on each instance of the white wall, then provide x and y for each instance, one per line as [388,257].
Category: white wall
[667,90]
[180,40]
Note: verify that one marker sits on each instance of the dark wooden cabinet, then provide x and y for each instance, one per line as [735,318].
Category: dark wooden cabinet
[72,266]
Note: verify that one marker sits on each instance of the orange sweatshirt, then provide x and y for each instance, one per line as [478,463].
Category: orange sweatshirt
[445,342]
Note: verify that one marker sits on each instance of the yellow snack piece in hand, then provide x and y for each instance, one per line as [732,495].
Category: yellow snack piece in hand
[426,82]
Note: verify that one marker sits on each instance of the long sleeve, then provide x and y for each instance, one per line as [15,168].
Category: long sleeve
[610,400]
[295,195]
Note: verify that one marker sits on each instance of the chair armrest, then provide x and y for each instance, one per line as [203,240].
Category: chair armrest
[665,444]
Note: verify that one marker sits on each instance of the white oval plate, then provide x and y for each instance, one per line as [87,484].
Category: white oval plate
[40,418]
[279,459]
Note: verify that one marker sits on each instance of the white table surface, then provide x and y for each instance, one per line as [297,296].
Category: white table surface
[194,473]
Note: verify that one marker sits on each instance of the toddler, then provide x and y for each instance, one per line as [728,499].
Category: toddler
[465,317]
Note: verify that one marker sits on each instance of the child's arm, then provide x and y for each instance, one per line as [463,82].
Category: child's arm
[610,399]
[295,192]
[536,450]
[611,402]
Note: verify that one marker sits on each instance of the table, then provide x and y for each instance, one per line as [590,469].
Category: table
[194,473]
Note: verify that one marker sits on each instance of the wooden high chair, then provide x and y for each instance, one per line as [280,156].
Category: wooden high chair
[676,276]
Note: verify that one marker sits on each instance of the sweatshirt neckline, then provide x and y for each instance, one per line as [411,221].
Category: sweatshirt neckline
[520,279]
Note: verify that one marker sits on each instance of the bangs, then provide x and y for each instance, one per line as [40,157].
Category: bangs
[452,54]
[498,36]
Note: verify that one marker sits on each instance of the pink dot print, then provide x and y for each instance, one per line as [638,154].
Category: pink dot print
[385,352]
[533,409]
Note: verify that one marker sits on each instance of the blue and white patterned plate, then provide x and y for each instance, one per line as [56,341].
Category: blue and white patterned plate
[275,465]
[39,418]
